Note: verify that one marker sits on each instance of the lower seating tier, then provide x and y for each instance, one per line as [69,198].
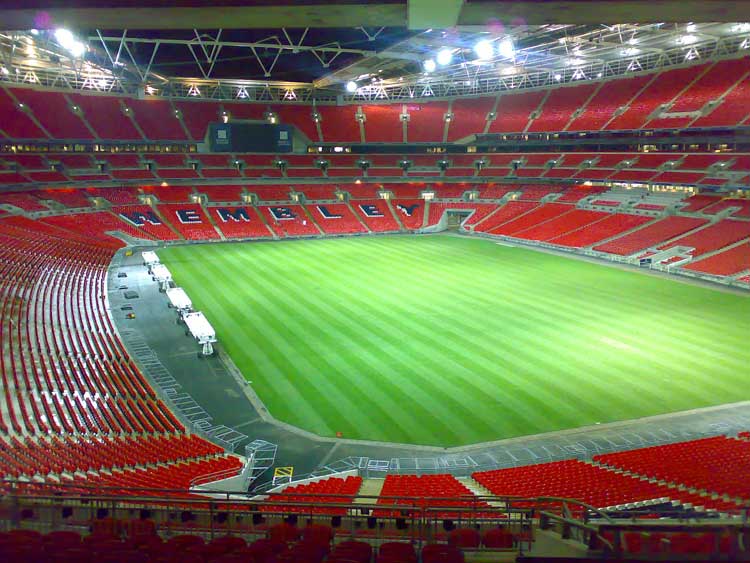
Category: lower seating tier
[726,263]
[651,235]
[718,464]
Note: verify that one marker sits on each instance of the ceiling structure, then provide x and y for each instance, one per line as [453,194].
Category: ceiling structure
[411,14]
[389,50]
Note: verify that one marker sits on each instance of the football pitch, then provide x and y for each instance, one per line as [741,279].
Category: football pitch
[445,340]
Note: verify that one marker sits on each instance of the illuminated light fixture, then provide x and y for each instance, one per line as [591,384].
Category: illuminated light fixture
[505,49]
[357,181]
[484,49]
[5,71]
[444,57]
[67,40]
[77,49]
[558,77]
[430,65]
[242,93]
[351,86]
[150,89]
[64,37]
[598,74]
[164,185]
[194,90]
[687,39]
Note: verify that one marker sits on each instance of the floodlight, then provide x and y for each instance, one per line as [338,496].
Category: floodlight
[351,86]
[506,49]
[444,57]
[484,49]
[558,77]
[65,38]
[429,65]
[77,49]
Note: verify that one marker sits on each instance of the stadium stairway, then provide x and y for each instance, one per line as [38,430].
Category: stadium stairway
[212,221]
[487,217]
[395,215]
[371,487]
[265,222]
[426,219]
[477,489]
[311,217]
[623,233]
[358,217]
[164,220]
[720,250]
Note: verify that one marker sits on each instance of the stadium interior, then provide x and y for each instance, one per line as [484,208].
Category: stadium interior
[374,282]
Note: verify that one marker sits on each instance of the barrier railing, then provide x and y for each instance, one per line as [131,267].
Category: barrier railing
[418,520]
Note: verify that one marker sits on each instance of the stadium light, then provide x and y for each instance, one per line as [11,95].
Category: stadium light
[444,57]
[67,40]
[506,49]
[351,86]
[77,49]
[484,49]
[558,77]
[64,37]
[429,65]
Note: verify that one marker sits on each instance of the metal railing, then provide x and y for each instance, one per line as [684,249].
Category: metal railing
[418,520]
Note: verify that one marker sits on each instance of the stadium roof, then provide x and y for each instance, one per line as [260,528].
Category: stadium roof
[399,59]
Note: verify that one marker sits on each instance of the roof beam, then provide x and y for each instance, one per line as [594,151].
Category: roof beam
[378,13]
[425,14]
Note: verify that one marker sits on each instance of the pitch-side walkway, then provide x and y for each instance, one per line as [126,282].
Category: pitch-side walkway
[226,401]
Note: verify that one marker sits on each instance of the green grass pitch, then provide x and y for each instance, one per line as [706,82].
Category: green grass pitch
[445,340]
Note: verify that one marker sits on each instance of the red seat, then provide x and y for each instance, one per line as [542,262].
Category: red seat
[498,538]
[440,553]
[465,538]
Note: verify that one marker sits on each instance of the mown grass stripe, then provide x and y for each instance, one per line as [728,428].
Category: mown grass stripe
[446,340]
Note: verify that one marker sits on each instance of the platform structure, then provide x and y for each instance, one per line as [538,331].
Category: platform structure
[179,300]
[150,258]
[198,326]
[162,275]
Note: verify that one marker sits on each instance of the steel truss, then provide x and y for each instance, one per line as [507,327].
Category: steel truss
[111,66]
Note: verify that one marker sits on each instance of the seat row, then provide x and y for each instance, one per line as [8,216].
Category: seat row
[621,104]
